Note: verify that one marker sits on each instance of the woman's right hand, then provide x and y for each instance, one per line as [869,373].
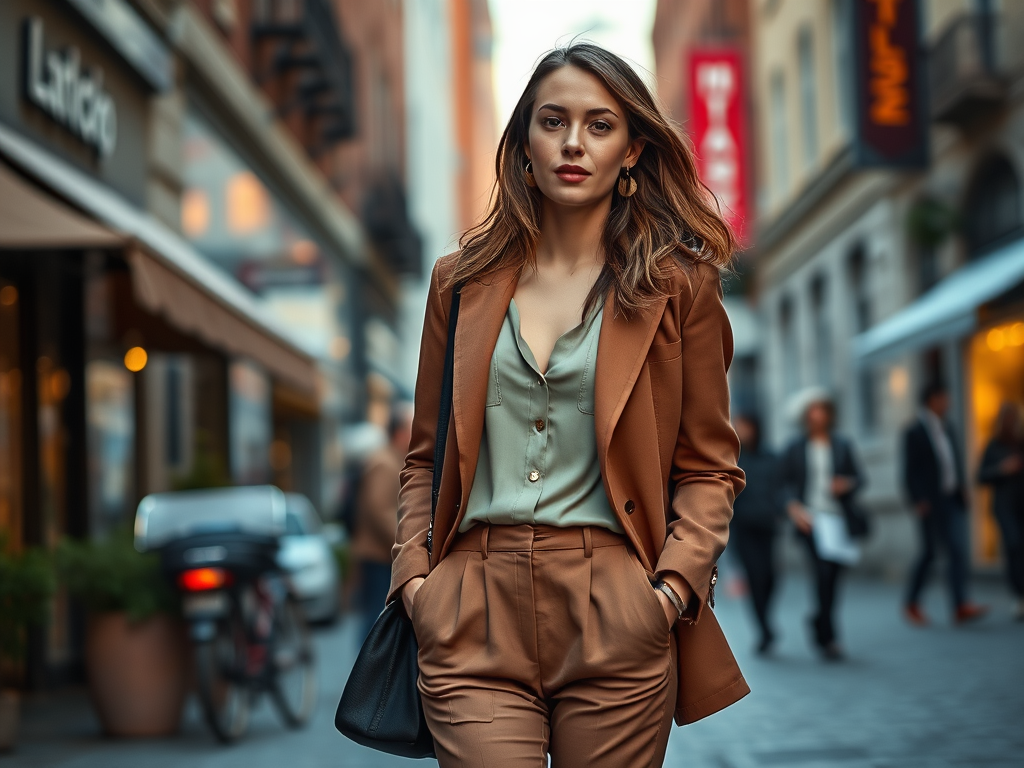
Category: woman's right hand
[409,593]
[801,517]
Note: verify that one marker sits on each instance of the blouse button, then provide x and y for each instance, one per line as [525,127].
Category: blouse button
[534,476]
[539,424]
[629,506]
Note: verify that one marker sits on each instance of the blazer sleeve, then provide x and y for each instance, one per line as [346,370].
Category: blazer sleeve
[409,554]
[704,472]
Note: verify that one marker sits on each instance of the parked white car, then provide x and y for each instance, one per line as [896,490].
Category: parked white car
[307,556]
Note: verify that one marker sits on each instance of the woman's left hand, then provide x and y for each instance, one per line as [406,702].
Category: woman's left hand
[671,614]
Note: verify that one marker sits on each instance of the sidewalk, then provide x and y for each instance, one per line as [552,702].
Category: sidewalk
[911,698]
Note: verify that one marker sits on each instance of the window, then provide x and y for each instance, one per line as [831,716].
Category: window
[861,293]
[779,138]
[787,336]
[842,37]
[822,332]
[993,209]
[808,97]
[927,267]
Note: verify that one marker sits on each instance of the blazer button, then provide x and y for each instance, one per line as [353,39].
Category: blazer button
[629,506]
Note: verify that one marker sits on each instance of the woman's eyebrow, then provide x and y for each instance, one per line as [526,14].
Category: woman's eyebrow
[589,112]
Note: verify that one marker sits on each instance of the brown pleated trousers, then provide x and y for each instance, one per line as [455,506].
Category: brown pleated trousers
[535,639]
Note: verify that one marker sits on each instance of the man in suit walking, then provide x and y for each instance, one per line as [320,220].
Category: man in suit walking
[934,483]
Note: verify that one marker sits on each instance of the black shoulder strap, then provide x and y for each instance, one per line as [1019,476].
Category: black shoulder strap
[444,412]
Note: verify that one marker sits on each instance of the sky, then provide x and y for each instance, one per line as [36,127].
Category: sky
[525,29]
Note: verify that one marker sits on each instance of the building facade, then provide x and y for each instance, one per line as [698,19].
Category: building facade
[451,140]
[882,266]
[202,241]
[702,59]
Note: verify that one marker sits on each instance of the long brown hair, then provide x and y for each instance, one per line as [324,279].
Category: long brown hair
[671,220]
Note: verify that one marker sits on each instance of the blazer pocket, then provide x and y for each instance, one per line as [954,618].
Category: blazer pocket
[663,353]
[493,385]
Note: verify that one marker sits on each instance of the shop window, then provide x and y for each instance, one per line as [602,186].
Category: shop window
[110,432]
[249,424]
[993,210]
[10,415]
[996,355]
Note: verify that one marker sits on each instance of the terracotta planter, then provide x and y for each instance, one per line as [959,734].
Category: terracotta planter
[138,674]
[9,708]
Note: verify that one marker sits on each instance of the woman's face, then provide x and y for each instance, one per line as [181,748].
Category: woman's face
[578,139]
[818,417]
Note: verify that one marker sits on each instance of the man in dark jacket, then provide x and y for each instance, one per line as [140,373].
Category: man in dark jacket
[756,516]
[934,483]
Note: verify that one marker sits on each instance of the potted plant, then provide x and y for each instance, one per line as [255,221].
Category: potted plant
[135,650]
[26,586]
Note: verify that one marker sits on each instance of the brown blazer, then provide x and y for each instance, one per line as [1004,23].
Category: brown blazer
[662,423]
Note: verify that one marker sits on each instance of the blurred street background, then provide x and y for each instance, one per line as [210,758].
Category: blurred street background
[217,223]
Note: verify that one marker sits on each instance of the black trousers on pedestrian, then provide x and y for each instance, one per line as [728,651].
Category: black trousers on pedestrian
[944,527]
[1011,526]
[755,549]
[826,581]
[375,580]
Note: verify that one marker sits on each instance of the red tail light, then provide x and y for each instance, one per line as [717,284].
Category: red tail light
[202,579]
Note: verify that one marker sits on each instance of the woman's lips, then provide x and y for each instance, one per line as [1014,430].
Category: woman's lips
[572,173]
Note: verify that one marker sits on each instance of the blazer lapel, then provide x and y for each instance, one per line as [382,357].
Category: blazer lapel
[621,351]
[481,312]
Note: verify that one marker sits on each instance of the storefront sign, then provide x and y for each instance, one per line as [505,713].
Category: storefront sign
[891,124]
[716,125]
[57,83]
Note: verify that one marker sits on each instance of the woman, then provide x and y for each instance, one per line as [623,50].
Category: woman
[1002,467]
[821,479]
[591,467]
[756,517]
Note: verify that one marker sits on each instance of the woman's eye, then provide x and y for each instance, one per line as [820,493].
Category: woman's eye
[601,125]
[552,122]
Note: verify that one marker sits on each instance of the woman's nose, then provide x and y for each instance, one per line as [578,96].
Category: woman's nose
[573,142]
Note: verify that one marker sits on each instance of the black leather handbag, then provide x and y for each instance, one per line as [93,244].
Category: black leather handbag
[380,707]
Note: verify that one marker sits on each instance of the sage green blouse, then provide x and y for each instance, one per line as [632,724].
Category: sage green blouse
[538,455]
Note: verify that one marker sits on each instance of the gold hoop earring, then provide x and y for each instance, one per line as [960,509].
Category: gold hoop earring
[627,184]
[528,173]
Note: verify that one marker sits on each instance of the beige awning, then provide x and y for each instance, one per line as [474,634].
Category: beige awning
[30,219]
[163,292]
[169,277]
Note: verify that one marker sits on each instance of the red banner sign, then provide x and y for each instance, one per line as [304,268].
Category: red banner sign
[717,127]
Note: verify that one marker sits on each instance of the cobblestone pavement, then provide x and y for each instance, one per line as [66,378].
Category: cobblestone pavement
[906,697]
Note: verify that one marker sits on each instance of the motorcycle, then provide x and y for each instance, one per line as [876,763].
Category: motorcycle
[249,634]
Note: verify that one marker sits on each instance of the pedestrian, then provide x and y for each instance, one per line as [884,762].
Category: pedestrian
[756,516]
[376,517]
[1002,467]
[591,466]
[821,480]
[932,478]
